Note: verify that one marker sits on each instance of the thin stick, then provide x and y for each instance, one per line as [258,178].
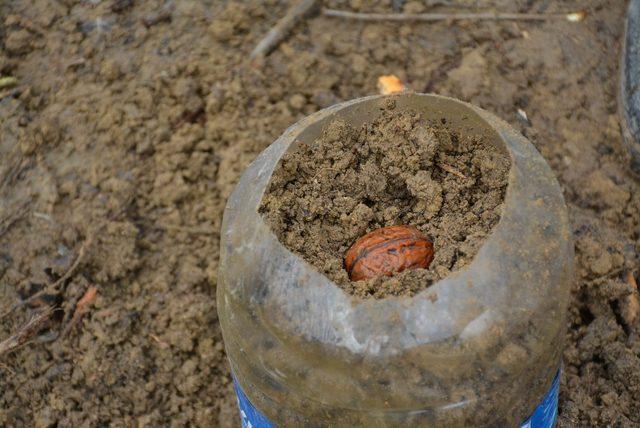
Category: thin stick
[187,229]
[630,310]
[167,227]
[82,307]
[281,29]
[25,332]
[160,342]
[74,266]
[53,286]
[6,223]
[430,17]
[451,170]
[606,277]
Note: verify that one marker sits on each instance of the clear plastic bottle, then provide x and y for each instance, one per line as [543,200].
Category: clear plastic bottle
[481,347]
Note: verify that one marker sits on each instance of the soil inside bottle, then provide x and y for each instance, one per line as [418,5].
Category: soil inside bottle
[398,169]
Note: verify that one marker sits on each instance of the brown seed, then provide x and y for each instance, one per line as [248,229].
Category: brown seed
[386,251]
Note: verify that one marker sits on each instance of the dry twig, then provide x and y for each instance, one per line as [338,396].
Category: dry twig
[15,163]
[606,277]
[187,229]
[10,220]
[82,307]
[451,170]
[74,266]
[282,28]
[26,332]
[162,344]
[54,286]
[430,17]
[168,227]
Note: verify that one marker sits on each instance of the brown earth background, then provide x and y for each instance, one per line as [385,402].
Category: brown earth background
[132,120]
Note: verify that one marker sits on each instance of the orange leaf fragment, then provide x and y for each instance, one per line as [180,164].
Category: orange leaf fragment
[389,85]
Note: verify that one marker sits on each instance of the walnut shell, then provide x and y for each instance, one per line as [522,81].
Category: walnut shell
[386,251]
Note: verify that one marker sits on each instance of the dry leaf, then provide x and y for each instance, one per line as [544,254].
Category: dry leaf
[576,16]
[389,85]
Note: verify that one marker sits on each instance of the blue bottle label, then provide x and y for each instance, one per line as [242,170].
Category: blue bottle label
[543,417]
[546,413]
[249,415]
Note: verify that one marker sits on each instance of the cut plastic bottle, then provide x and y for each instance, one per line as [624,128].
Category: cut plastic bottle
[481,347]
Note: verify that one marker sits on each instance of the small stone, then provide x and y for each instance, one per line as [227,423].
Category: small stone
[414,7]
[221,30]
[45,418]
[603,189]
[297,101]
[609,398]
[359,64]
[602,265]
[428,191]
[19,42]
[360,218]
[110,70]
[184,89]
[336,131]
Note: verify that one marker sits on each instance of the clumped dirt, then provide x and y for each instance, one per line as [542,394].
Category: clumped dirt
[398,169]
[132,120]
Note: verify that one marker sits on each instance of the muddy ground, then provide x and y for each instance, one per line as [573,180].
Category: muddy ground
[132,120]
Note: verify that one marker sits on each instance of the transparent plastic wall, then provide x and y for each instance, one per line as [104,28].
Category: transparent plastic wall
[480,347]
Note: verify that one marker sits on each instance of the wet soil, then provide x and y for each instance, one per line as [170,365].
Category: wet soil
[400,169]
[132,120]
